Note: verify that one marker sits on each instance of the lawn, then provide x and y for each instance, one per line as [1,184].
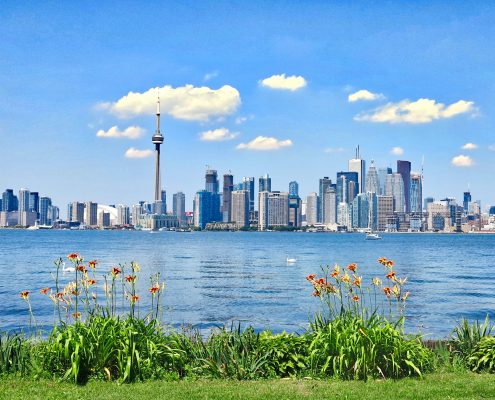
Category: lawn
[462,385]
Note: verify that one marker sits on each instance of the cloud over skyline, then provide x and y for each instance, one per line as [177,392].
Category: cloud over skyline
[420,111]
[131,132]
[462,161]
[469,146]
[364,95]
[263,143]
[136,153]
[218,135]
[186,102]
[397,151]
[282,82]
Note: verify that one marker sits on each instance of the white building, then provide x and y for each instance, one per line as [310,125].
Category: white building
[312,209]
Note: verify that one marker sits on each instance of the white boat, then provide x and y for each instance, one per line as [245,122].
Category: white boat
[373,236]
[291,260]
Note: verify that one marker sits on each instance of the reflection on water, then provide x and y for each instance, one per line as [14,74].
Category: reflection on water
[215,278]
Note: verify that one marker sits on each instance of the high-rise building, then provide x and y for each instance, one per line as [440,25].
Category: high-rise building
[394,186]
[382,178]
[404,169]
[416,193]
[104,219]
[265,184]
[360,211]
[343,215]
[372,210]
[263,210]
[55,214]
[123,215]
[329,206]
[385,211]
[26,217]
[466,201]
[372,179]
[312,209]
[347,186]
[137,211]
[248,184]
[427,201]
[163,198]
[278,209]
[9,201]
[179,208]
[34,202]
[293,188]
[358,165]
[324,184]
[295,211]
[240,208]
[228,187]
[45,208]
[206,208]
[91,213]
[24,196]
[211,181]
[76,210]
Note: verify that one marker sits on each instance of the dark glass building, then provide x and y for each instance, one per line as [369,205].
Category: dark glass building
[404,169]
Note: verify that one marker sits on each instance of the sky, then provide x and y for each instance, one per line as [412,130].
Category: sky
[288,88]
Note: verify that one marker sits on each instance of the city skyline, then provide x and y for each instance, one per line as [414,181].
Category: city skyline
[294,105]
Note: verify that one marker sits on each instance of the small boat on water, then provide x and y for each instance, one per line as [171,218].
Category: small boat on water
[291,260]
[372,236]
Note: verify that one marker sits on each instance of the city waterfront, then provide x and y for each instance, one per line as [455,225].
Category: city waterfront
[215,278]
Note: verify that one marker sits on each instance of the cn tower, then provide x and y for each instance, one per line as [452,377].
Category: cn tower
[157,140]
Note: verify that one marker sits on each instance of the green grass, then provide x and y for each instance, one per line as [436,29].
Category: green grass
[462,385]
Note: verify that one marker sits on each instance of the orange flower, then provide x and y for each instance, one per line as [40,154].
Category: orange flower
[387,291]
[81,268]
[45,290]
[92,264]
[406,295]
[310,277]
[316,293]
[334,274]
[90,282]
[382,260]
[390,275]
[154,289]
[357,281]
[345,278]
[376,281]
[76,315]
[355,298]
[130,278]
[74,257]
[25,294]
[321,281]
[134,299]
[352,267]
[389,263]
[115,271]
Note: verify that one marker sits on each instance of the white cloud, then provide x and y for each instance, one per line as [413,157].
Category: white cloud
[218,135]
[462,161]
[469,146]
[334,150]
[265,143]
[416,112]
[135,153]
[282,82]
[186,102]
[398,151]
[132,132]
[364,95]
[210,75]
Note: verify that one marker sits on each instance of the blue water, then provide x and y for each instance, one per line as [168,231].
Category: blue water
[218,277]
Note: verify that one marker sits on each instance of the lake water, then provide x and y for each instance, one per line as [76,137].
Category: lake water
[214,278]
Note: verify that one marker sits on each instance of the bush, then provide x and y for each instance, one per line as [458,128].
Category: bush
[483,356]
[287,353]
[466,337]
[15,354]
[352,347]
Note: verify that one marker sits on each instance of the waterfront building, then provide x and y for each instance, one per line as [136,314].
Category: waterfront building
[34,202]
[382,177]
[394,186]
[358,166]
[228,187]
[211,181]
[158,221]
[9,201]
[240,208]
[347,186]
[372,180]
[427,201]
[76,210]
[9,218]
[293,188]
[136,212]
[295,211]
[372,210]
[360,211]
[265,184]
[55,213]
[263,210]
[91,213]
[24,195]
[123,215]
[278,209]
[179,208]
[385,211]
[329,206]
[206,208]
[439,216]
[416,193]
[324,183]
[104,219]
[27,218]
[466,201]
[248,184]
[343,215]
[312,208]
[404,169]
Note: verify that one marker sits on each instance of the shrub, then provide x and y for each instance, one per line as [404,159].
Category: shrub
[466,336]
[287,353]
[15,354]
[483,356]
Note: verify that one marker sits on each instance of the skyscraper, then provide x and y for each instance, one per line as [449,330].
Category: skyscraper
[157,140]
[206,208]
[91,213]
[312,209]
[416,193]
[248,184]
[136,212]
[76,210]
[382,177]
[394,186]
[24,195]
[265,184]
[360,211]
[324,184]
[372,210]
[211,181]
[123,215]
[347,186]
[9,201]
[228,187]
[263,210]
[295,211]
[385,211]
[45,211]
[240,208]
[404,169]
[34,202]
[179,207]
[293,188]
[278,209]
[466,201]
[329,206]
[372,180]
[358,165]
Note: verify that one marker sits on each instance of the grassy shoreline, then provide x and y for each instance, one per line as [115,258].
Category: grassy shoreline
[459,385]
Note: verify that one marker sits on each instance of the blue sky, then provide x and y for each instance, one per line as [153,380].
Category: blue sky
[66,69]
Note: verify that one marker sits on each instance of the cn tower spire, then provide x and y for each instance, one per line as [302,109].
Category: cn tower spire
[157,140]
